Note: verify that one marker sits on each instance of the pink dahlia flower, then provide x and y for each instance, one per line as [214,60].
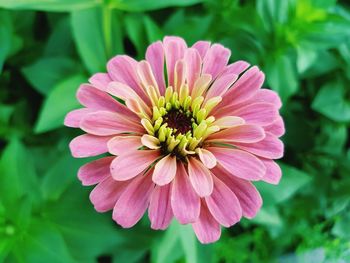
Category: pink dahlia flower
[184,143]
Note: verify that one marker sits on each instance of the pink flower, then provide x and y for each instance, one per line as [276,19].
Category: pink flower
[185,143]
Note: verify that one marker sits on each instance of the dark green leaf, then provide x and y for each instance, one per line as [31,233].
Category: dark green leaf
[58,103]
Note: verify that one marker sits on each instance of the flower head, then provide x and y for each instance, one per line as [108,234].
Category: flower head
[184,143]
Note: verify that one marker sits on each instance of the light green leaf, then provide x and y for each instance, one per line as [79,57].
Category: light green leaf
[189,243]
[169,249]
[281,75]
[292,181]
[98,37]
[49,5]
[58,103]
[331,102]
[45,73]
[146,5]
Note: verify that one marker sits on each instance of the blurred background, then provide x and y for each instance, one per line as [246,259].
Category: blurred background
[49,47]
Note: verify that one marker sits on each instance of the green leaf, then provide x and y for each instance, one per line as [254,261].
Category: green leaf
[99,41]
[87,233]
[147,5]
[332,103]
[292,181]
[49,5]
[282,76]
[43,244]
[45,73]
[5,36]
[189,243]
[169,249]
[58,103]
[17,173]
[342,227]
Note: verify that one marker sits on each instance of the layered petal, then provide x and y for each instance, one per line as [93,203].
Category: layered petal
[206,228]
[273,171]
[100,80]
[74,117]
[245,133]
[206,157]
[248,196]
[104,123]
[193,64]
[202,47]
[129,165]
[200,177]
[120,145]
[215,60]
[174,48]
[105,195]
[221,85]
[223,204]
[276,128]
[155,57]
[88,145]
[164,170]
[239,163]
[270,147]
[96,171]
[184,200]
[159,211]
[133,202]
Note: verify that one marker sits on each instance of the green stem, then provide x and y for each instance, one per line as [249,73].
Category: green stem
[106,26]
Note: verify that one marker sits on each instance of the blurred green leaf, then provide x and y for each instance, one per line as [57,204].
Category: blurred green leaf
[45,73]
[342,227]
[5,36]
[282,76]
[44,244]
[100,40]
[146,5]
[189,243]
[292,180]
[49,5]
[58,103]
[331,102]
[17,173]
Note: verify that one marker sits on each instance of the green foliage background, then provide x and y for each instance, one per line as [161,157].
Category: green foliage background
[49,47]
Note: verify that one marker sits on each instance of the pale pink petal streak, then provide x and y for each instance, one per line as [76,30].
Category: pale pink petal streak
[200,177]
[120,145]
[164,170]
[215,60]
[202,47]
[74,117]
[100,80]
[88,145]
[133,202]
[193,66]
[95,171]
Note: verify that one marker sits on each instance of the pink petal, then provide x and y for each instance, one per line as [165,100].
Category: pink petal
[125,93]
[74,117]
[239,163]
[215,60]
[223,204]
[159,211]
[93,98]
[165,170]
[245,87]
[207,158]
[273,171]
[123,69]
[120,145]
[105,123]
[207,229]
[88,145]
[228,121]
[100,81]
[270,147]
[276,128]
[128,165]
[105,194]
[193,66]
[270,96]
[260,113]
[202,47]
[248,196]
[236,68]
[95,171]
[184,201]
[146,76]
[221,85]
[200,177]
[133,202]
[246,133]
[174,48]
[179,75]
[155,57]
